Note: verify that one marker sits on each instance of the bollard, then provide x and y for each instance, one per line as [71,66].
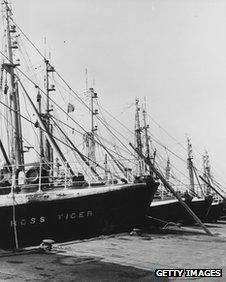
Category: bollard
[47,245]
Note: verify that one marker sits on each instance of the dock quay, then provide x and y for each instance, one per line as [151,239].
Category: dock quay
[121,257]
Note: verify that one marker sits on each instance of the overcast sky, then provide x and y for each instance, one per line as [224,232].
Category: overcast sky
[171,51]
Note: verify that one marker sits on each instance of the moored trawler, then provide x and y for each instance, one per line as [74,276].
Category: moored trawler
[51,198]
[170,210]
[215,211]
[72,212]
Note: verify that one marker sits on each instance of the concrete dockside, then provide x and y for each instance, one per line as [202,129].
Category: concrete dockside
[121,257]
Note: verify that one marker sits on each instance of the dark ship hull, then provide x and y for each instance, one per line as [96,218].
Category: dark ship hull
[223,216]
[84,214]
[215,211]
[165,211]
[200,207]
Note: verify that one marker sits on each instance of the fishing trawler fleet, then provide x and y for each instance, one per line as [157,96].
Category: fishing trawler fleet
[47,196]
[167,207]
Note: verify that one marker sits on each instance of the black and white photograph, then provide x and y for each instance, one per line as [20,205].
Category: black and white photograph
[113,140]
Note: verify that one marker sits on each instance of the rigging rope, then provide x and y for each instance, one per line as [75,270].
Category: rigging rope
[62,78]
[79,97]
[53,136]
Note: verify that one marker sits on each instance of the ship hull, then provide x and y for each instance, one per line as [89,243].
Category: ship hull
[75,218]
[223,216]
[215,212]
[200,207]
[165,211]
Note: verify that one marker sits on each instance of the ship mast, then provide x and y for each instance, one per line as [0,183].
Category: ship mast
[206,172]
[93,127]
[41,147]
[167,171]
[49,126]
[16,153]
[190,166]
[145,127]
[106,169]
[42,123]
[138,139]
[89,136]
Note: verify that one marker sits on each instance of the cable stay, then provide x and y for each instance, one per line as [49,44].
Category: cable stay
[118,164]
[170,188]
[8,163]
[84,159]
[49,136]
[65,144]
[72,92]
[45,59]
[211,186]
[61,108]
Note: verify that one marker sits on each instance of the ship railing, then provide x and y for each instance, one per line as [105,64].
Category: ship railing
[199,190]
[39,177]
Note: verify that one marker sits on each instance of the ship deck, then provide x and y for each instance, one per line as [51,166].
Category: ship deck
[120,257]
[157,202]
[61,193]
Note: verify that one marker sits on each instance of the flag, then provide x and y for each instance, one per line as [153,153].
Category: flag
[70,108]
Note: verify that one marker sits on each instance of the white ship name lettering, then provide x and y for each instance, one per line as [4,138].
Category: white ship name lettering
[61,217]
[32,220]
[74,215]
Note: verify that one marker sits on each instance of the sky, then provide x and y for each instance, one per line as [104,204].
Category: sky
[173,52]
